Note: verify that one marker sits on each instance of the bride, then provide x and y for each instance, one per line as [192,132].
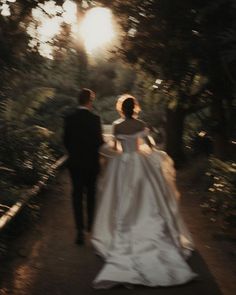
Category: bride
[138,229]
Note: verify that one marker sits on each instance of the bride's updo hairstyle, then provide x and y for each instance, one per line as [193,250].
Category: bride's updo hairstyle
[128,106]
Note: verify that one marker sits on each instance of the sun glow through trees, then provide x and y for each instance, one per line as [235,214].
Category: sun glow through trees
[95,29]
[46,24]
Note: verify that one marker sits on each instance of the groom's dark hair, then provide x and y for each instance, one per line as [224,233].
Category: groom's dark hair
[85,95]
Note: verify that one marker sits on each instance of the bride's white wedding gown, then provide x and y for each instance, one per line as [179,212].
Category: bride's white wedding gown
[138,229]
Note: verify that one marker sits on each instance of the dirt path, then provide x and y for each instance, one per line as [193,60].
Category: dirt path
[218,253]
[46,260]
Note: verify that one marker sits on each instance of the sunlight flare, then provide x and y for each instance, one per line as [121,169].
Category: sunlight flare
[97,28]
[49,28]
[47,21]
[70,12]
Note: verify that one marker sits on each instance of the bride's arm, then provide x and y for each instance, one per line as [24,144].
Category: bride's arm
[114,132]
[110,148]
[148,138]
[150,141]
[115,146]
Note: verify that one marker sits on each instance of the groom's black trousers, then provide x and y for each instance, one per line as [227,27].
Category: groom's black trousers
[84,188]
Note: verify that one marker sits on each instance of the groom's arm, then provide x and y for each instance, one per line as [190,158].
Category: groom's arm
[98,132]
[66,137]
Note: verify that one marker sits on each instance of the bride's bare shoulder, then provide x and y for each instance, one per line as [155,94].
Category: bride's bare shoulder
[141,123]
[118,121]
[128,126]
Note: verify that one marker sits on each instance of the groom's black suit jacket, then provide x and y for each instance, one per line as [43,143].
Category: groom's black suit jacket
[82,139]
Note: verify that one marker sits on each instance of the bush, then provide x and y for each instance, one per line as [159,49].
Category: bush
[220,201]
[27,153]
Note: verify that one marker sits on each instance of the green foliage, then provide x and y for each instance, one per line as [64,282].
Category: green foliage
[189,45]
[220,201]
[109,79]
[153,103]
[25,106]
[35,93]
[105,107]
[50,116]
[196,122]
[24,148]
[27,152]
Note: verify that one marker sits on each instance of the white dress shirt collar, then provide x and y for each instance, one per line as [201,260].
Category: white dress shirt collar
[83,108]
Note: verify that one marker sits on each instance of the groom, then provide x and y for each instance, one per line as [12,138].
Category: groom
[82,139]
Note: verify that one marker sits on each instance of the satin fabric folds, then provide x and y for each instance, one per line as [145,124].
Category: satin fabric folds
[138,229]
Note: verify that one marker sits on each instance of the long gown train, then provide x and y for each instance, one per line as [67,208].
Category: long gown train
[138,229]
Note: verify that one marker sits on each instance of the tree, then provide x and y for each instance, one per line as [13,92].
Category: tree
[217,21]
[31,83]
[109,78]
[24,70]
[172,41]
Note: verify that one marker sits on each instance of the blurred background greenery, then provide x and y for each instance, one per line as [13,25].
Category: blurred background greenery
[181,66]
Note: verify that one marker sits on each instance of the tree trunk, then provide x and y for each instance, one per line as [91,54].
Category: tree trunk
[174,134]
[220,130]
